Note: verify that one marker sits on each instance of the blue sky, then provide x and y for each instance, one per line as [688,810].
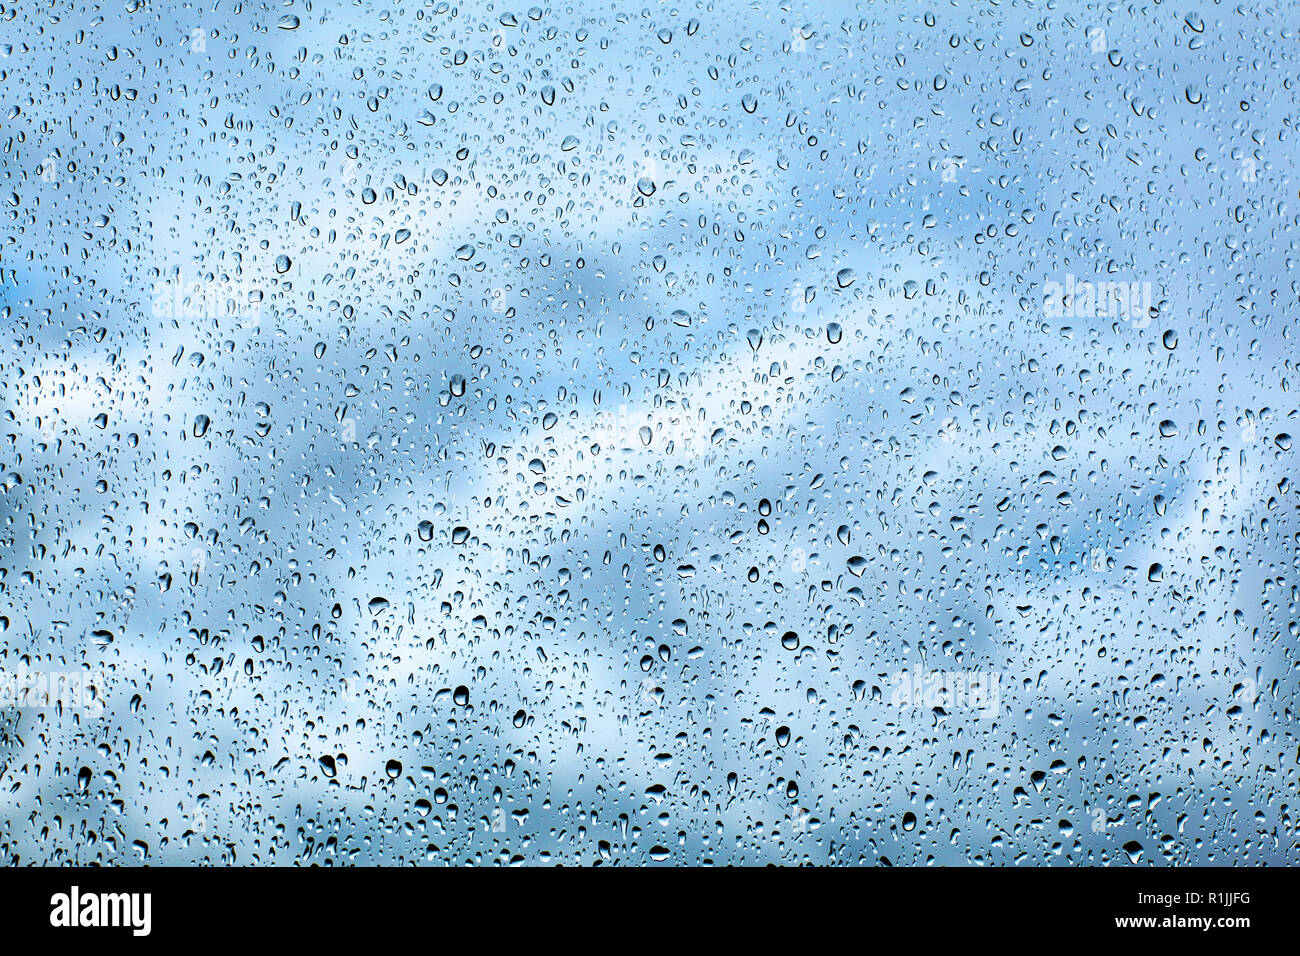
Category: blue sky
[721,334]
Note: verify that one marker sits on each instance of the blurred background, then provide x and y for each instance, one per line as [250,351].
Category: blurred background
[695,434]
